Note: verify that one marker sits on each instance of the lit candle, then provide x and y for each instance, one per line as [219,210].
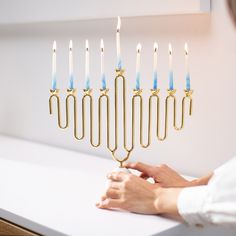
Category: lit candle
[171,82]
[71,75]
[103,77]
[87,79]
[155,47]
[119,63]
[138,66]
[188,87]
[54,61]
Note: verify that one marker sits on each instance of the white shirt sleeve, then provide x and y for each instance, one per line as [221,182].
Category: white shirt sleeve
[214,203]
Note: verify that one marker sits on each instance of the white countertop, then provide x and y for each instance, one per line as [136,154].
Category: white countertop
[53,191]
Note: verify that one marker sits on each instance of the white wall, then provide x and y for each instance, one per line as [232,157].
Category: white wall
[208,139]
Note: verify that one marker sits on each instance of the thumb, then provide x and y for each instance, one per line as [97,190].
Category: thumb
[144,168]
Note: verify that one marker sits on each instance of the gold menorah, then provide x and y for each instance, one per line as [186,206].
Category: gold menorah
[153,100]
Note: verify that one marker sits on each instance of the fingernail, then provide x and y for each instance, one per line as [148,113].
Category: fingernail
[109,175]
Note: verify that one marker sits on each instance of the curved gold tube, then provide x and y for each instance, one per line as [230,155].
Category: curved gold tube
[72,95]
[135,97]
[106,97]
[120,77]
[120,160]
[54,94]
[187,96]
[162,138]
[88,95]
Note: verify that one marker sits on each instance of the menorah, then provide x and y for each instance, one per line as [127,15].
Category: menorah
[137,100]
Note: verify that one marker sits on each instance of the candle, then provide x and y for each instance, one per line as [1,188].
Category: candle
[138,66]
[171,82]
[103,77]
[155,47]
[54,61]
[71,75]
[87,79]
[119,63]
[188,87]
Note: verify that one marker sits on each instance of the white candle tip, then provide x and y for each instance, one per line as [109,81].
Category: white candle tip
[70,45]
[102,45]
[170,49]
[118,24]
[186,48]
[155,46]
[54,47]
[87,45]
[139,47]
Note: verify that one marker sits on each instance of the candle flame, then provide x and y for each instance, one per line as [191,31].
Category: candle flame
[186,48]
[87,45]
[54,47]
[155,46]
[102,45]
[118,24]
[70,45]
[170,49]
[139,47]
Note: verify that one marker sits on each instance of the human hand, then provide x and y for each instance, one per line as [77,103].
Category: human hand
[163,175]
[135,194]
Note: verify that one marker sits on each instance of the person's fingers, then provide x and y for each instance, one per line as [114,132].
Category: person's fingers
[115,185]
[110,203]
[144,176]
[103,198]
[147,169]
[117,176]
[112,193]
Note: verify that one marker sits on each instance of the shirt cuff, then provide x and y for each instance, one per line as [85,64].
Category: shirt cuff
[190,204]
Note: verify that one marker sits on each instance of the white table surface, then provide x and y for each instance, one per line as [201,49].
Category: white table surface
[53,192]
[45,188]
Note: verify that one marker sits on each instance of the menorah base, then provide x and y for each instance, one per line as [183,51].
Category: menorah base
[122,169]
[118,169]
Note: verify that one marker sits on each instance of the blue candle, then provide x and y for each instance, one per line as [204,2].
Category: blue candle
[171,79]
[87,83]
[103,77]
[155,66]
[71,82]
[155,84]
[119,62]
[87,76]
[187,77]
[188,87]
[137,87]
[54,77]
[71,74]
[138,66]
[104,86]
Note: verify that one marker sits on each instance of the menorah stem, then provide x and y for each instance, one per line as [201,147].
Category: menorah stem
[54,94]
[149,124]
[182,110]
[162,138]
[182,115]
